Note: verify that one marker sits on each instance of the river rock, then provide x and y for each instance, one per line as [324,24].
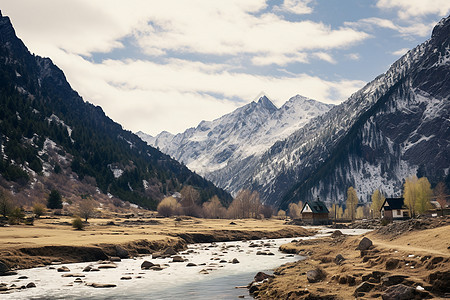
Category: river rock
[102,285]
[107,266]
[88,268]
[364,244]
[336,234]
[78,280]
[203,271]
[147,265]
[398,292]
[121,252]
[235,261]
[315,275]
[392,263]
[63,269]
[125,278]
[23,277]
[169,251]
[191,265]
[115,259]
[73,275]
[260,276]
[30,285]
[177,258]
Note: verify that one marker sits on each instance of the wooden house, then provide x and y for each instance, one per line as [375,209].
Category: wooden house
[394,209]
[315,213]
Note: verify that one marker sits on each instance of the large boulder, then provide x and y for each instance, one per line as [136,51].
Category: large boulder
[364,287]
[315,275]
[121,252]
[399,292]
[4,269]
[392,263]
[364,244]
[339,259]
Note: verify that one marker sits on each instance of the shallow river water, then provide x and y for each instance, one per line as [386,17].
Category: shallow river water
[177,281]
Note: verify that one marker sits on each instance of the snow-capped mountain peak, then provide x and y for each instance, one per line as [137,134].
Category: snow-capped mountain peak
[246,132]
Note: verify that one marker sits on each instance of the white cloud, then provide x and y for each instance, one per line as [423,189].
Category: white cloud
[414,29]
[353,56]
[400,52]
[279,59]
[178,94]
[168,93]
[324,56]
[408,9]
[298,7]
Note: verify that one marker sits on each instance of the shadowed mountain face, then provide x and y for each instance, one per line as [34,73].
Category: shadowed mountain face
[396,126]
[39,110]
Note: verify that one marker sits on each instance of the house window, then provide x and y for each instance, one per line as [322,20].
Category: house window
[398,212]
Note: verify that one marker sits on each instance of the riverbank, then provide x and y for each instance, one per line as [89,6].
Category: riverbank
[411,258]
[53,240]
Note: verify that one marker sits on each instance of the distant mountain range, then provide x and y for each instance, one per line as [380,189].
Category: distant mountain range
[213,148]
[46,129]
[396,126]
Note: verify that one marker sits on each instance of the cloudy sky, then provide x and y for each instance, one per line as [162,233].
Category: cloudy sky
[167,65]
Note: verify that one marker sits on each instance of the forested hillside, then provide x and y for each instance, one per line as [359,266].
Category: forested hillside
[40,111]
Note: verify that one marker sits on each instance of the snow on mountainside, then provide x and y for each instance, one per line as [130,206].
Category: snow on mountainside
[396,126]
[246,132]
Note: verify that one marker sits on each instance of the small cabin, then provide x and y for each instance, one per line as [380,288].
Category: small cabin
[315,213]
[394,209]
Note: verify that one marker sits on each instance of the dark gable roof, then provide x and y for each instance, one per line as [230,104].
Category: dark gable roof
[394,203]
[317,207]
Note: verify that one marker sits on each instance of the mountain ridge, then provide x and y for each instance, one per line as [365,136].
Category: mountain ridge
[40,112]
[246,132]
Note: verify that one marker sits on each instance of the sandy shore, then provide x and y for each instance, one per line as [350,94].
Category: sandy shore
[54,240]
[416,260]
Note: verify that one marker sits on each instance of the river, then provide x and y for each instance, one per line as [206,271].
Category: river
[177,280]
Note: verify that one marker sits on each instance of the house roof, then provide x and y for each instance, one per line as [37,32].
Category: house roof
[317,207]
[393,203]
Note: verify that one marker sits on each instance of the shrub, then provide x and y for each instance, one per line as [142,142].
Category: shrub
[38,209]
[16,216]
[77,223]
[168,206]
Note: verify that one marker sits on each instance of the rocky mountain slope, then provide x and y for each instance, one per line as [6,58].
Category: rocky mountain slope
[214,147]
[396,126]
[48,131]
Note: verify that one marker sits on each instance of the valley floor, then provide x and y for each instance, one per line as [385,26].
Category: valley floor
[409,260]
[52,240]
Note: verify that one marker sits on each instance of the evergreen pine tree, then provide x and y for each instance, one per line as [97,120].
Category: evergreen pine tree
[54,200]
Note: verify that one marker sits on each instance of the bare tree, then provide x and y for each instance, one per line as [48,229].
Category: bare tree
[214,209]
[190,199]
[86,208]
[267,211]
[440,192]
